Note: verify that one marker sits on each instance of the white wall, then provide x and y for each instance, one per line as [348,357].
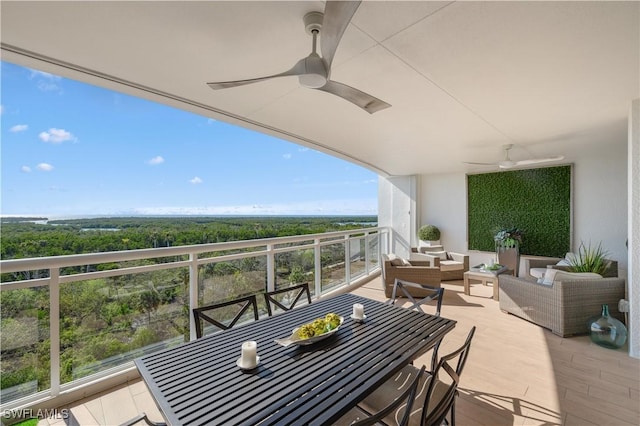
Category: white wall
[397,210]
[599,202]
[445,207]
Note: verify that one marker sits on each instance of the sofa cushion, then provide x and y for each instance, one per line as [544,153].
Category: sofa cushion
[450,265]
[538,272]
[441,254]
[553,275]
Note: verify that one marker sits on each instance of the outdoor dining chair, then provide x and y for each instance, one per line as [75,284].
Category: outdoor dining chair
[401,289]
[227,314]
[359,417]
[434,401]
[286,298]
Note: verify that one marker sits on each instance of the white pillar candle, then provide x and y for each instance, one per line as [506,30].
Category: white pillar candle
[358,310]
[249,353]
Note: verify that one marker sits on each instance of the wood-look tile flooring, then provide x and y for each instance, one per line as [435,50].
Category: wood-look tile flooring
[517,373]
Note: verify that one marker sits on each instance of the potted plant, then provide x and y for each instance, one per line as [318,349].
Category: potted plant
[508,238]
[507,243]
[589,259]
[429,234]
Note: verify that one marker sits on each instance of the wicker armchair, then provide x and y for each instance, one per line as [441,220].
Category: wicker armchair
[417,272]
[564,306]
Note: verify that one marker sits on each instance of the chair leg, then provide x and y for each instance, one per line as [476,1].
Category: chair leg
[140,417]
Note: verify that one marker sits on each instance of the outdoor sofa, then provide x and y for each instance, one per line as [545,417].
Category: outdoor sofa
[565,305]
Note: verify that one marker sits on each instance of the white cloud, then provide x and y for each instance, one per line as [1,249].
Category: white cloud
[25,169]
[211,121]
[46,81]
[156,160]
[287,156]
[56,136]
[196,180]
[42,74]
[1,109]
[45,167]
[326,207]
[18,128]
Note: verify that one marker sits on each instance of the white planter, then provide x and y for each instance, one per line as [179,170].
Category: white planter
[422,243]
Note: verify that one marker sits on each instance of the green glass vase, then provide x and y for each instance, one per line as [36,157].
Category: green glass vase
[607,331]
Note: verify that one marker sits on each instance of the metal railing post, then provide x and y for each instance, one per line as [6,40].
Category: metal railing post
[347,259]
[54,329]
[317,260]
[193,293]
[271,268]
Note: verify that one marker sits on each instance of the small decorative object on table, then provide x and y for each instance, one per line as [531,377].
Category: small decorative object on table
[312,332]
[249,358]
[607,331]
[358,313]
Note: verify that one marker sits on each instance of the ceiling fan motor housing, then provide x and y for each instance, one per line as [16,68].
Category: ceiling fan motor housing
[313,21]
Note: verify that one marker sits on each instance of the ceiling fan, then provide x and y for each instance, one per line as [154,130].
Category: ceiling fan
[508,163]
[314,72]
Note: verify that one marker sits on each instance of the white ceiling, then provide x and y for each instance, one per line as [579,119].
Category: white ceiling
[463,78]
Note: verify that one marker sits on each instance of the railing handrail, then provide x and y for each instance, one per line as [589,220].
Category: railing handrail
[47,262]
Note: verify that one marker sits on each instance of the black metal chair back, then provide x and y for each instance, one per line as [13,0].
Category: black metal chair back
[243,304]
[445,404]
[407,397]
[401,289]
[293,294]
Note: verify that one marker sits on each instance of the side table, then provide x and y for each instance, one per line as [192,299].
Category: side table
[485,278]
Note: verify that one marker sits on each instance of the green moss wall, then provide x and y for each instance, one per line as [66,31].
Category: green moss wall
[537,201]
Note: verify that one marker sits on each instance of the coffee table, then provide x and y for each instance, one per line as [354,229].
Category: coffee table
[485,277]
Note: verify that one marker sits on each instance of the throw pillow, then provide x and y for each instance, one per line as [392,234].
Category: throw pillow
[398,261]
[568,259]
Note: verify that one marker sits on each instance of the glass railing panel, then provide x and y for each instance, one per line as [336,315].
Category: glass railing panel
[294,267]
[109,321]
[24,339]
[333,267]
[357,265]
[230,279]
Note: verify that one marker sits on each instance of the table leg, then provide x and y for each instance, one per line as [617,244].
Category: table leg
[496,289]
[466,285]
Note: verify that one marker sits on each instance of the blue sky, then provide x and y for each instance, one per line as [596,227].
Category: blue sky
[72,149]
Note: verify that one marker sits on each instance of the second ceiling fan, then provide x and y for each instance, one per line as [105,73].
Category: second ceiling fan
[508,163]
[314,71]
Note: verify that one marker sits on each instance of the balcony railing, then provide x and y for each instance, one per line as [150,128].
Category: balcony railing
[69,321]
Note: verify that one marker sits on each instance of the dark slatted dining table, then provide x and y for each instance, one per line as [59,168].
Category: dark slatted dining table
[199,383]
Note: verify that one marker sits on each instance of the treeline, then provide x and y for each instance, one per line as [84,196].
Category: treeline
[75,236]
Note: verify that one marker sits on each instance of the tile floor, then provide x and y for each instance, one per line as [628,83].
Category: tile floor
[517,374]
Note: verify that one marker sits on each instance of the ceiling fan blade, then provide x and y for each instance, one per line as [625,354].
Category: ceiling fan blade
[337,15]
[365,101]
[539,160]
[480,164]
[298,69]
